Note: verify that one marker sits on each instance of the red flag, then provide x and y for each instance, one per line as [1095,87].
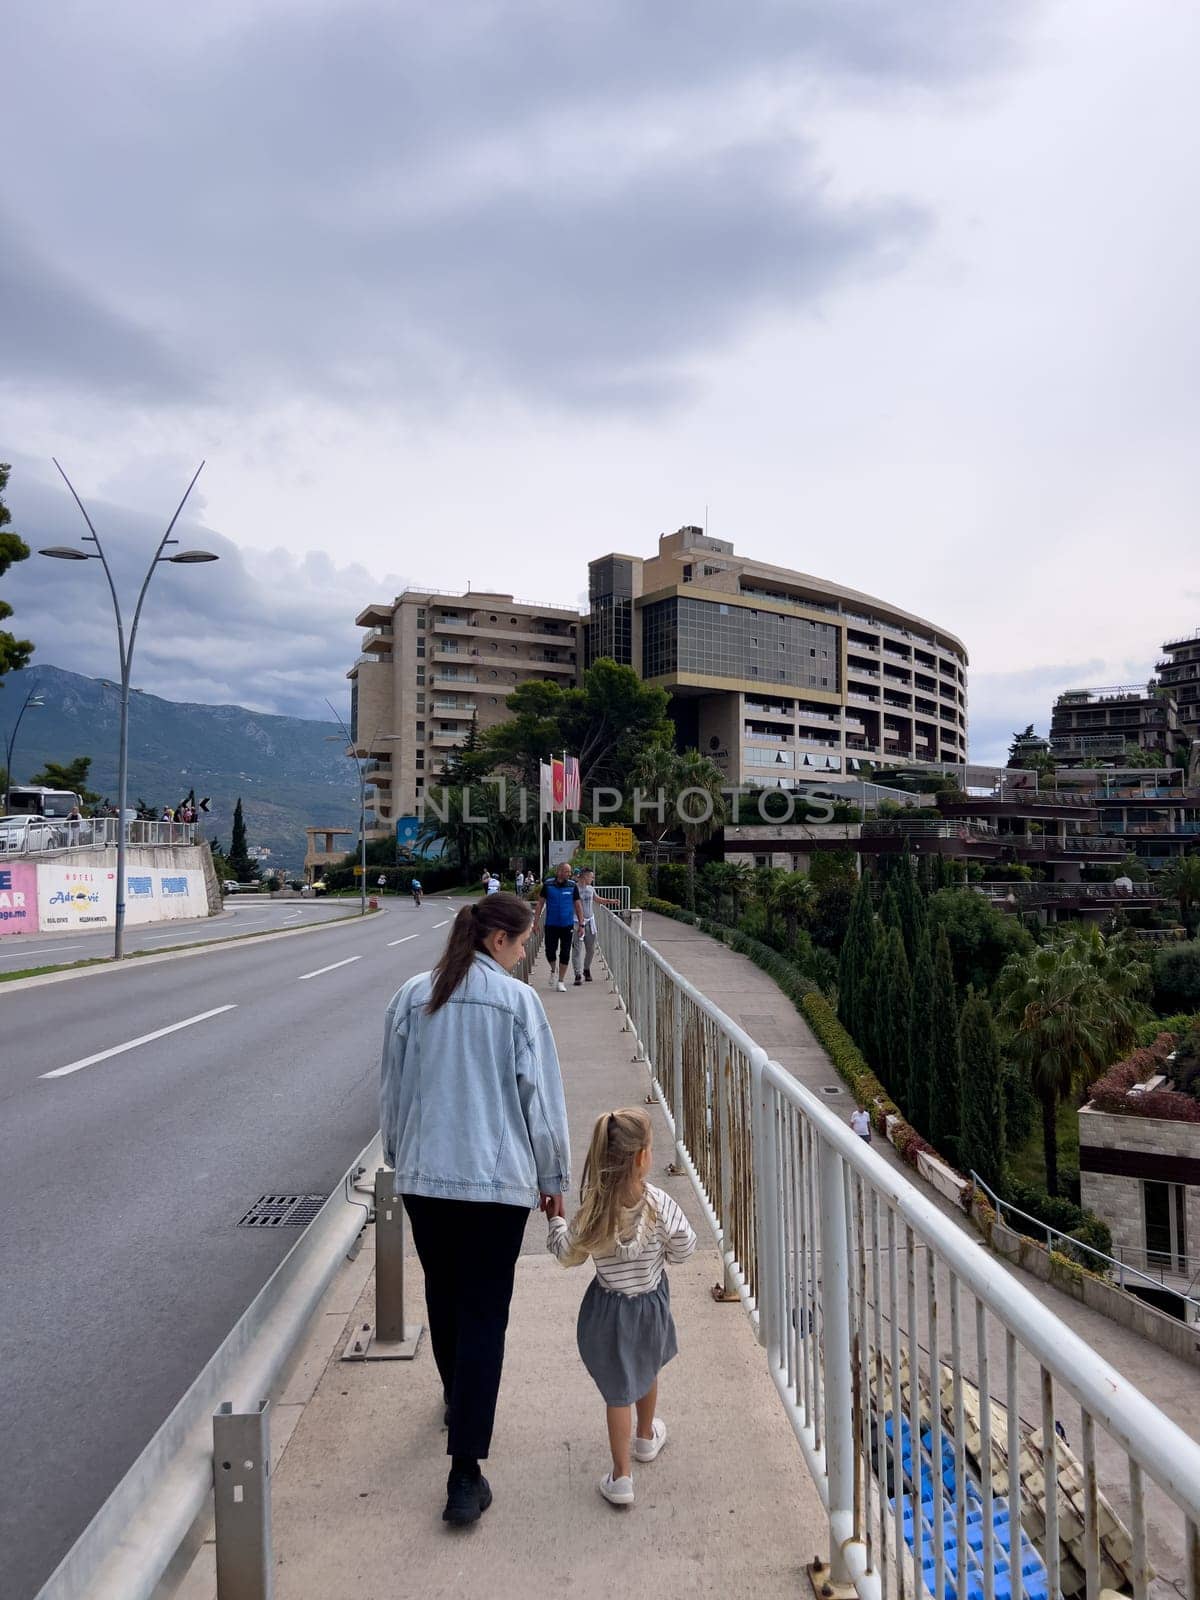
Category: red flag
[572,789]
[560,784]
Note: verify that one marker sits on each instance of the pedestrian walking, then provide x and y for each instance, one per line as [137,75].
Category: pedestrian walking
[564,913]
[381,882]
[474,1124]
[584,944]
[493,884]
[520,882]
[625,1331]
[860,1123]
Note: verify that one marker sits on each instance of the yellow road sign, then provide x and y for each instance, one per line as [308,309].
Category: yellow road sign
[615,840]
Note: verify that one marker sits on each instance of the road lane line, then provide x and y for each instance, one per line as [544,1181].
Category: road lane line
[48,951]
[305,976]
[132,1044]
[406,938]
[445,924]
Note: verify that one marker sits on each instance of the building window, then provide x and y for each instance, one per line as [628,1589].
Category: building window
[420,730]
[420,618]
[420,649]
[492,618]
[420,674]
[512,622]
[420,702]
[1164,1210]
[420,759]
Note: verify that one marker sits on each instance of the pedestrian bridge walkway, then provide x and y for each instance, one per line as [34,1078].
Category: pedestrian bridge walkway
[860,1315]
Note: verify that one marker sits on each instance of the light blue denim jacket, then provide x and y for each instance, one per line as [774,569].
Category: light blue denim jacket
[471,1098]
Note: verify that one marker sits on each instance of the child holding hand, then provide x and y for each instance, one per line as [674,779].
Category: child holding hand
[625,1330]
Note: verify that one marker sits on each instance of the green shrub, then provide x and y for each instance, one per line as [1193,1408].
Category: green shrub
[1062,1214]
[1177,978]
[1181,1023]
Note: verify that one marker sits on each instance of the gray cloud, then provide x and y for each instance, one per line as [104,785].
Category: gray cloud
[265,629]
[410,201]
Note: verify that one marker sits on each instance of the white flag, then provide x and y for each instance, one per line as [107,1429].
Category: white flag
[546,792]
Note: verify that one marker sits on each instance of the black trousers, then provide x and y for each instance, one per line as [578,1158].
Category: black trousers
[468,1252]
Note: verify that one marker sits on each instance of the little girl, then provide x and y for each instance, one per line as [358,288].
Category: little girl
[625,1330]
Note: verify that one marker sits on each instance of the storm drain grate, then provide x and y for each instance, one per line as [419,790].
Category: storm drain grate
[829,1088]
[283,1211]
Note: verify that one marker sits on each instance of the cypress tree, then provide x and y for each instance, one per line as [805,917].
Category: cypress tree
[897,1011]
[889,910]
[945,1104]
[852,962]
[241,863]
[913,918]
[914,1101]
[872,998]
[982,1144]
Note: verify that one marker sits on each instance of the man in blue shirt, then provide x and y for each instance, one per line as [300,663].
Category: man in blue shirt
[563,914]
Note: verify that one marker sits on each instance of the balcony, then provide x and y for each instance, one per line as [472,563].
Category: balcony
[444,680]
[761,710]
[765,736]
[377,640]
[447,741]
[856,670]
[445,708]
[809,740]
[500,630]
[863,699]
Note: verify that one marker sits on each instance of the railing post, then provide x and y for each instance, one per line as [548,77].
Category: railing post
[723,1079]
[390,1338]
[677,1074]
[835,1320]
[242,1501]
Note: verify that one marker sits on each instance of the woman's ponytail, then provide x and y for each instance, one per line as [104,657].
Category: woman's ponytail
[470,929]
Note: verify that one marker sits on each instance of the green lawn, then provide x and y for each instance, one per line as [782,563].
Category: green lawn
[1026,1162]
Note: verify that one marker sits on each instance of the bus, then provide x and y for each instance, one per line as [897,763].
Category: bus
[32,800]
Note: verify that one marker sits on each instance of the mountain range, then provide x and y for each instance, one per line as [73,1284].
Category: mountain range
[290,773]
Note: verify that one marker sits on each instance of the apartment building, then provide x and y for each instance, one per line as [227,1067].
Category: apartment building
[1088,726]
[778,676]
[1179,672]
[434,663]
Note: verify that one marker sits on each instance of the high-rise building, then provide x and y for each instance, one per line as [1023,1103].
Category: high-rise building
[1179,671]
[778,675]
[1093,726]
[432,665]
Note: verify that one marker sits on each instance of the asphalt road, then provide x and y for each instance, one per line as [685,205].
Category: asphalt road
[126,1162]
[252,914]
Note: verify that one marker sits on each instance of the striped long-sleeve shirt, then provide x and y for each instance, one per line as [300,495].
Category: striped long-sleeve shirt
[652,1233]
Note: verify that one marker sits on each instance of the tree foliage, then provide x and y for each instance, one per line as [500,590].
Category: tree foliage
[242,864]
[981,1145]
[916,1101]
[897,1012]
[72,775]
[981,938]
[945,1088]
[14,652]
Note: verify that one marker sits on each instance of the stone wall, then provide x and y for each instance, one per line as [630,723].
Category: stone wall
[1118,1201]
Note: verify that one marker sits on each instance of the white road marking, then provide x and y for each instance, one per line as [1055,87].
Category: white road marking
[305,976]
[132,1044]
[445,924]
[46,951]
[406,938]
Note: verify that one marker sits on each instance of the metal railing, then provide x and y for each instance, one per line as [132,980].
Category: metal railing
[40,835]
[883,1323]
[1095,1260]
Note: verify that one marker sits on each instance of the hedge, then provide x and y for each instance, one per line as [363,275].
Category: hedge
[1111,1092]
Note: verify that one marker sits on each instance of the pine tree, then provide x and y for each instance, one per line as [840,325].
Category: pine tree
[982,1144]
[914,1101]
[897,1019]
[241,863]
[945,1103]
[14,652]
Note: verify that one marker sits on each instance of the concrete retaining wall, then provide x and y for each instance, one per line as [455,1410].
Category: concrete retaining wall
[1181,1339]
[68,890]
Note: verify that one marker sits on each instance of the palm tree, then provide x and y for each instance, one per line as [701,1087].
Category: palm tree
[698,806]
[741,886]
[766,883]
[1182,879]
[796,899]
[654,773]
[1064,1021]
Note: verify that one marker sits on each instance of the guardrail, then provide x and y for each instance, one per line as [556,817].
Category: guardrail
[1107,1265]
[856,1284]
[138,1531]
[42,834]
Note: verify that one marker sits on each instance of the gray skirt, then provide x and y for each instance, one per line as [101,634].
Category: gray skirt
[625,1339]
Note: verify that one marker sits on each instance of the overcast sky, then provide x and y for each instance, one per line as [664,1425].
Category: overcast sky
[902,291]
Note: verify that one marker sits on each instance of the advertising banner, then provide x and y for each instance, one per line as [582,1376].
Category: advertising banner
[153,894]
[18,898]
[75,897]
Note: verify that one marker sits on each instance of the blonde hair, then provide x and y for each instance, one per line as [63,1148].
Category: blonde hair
[618,1138]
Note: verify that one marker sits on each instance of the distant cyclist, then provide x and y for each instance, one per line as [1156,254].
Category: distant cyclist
[415,888]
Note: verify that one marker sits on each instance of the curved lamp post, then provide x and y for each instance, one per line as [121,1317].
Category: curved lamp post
[31,702]
[125,650]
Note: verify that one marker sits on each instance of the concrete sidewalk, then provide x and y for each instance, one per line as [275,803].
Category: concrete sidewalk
[727,1509]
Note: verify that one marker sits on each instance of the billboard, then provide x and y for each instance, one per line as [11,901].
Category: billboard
[75,897]
[162,895]
[18,898]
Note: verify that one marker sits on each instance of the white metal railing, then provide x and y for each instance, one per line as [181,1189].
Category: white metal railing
[883,1323]
[1096,1260]
[27,836]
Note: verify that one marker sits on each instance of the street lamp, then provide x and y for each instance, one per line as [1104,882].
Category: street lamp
[379,738]
[60,552]
[31,702]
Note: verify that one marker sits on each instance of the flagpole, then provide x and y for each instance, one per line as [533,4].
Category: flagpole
[564,837]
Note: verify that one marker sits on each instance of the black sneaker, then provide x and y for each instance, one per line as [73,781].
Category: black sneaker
[468,1495]
[587,977]
[578,980]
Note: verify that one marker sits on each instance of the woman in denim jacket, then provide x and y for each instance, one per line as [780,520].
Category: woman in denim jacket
[473,1121]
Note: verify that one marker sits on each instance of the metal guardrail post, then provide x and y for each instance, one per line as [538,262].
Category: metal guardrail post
[835,1320]
[677,1076]
[389,1338]
[242,1499]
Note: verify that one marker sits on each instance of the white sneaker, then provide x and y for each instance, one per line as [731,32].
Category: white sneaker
[617,1491]
[647,1449]
[562,989]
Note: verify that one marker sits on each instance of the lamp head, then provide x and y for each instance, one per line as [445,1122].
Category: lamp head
[65,552]
[191,557]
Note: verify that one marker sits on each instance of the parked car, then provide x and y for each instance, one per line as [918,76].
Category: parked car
[230,886]
[21,835]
